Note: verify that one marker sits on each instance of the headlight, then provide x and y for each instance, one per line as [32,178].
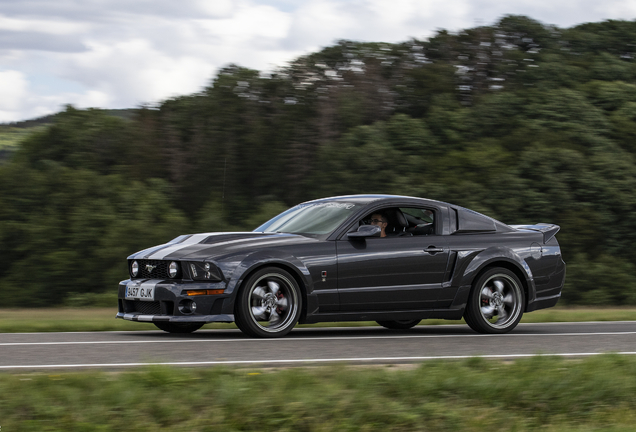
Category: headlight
[173,269]
[134,269]
[204,272]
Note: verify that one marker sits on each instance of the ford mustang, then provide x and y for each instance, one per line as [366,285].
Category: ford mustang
[391,259]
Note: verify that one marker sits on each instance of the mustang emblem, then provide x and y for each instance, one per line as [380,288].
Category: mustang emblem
[150,268]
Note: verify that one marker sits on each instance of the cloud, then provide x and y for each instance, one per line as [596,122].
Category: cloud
[19,102]
[121,53]
[144,59]
[248,24]
[620,9]
[29,40]
[134,72]
[50,26]
[318,23]
[13,88]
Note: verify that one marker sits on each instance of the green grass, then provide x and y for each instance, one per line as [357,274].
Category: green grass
[540,393]
[103,319]
[10,137]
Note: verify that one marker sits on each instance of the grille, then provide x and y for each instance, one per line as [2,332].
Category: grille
[159,272]
[149,308]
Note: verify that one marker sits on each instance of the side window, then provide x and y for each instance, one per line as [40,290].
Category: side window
[401,222]
[421,221]
[391,220]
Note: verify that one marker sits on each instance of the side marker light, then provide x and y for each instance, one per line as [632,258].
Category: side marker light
[204,292]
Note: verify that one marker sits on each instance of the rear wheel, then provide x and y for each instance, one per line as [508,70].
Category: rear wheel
[268,304]
[178,327]
[399,324]
[496,302]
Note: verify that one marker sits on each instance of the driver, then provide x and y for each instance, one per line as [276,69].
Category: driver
[380,220]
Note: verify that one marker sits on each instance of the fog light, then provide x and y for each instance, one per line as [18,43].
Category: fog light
[187,307]
[134,269]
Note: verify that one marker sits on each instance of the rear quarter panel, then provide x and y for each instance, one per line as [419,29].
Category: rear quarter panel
[520,251]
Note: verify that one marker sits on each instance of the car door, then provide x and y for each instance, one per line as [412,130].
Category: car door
[391,273]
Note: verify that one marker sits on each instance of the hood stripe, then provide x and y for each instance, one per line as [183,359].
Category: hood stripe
[185,252]
[160,254]
[147,252]
[193,239]
[143,254]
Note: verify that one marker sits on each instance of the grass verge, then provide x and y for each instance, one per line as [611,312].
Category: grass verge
[546,393]
[103,319]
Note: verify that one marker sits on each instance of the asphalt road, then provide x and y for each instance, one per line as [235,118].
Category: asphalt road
[361,345]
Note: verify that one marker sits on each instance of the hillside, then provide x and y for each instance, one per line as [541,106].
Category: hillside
[522,121]
[11,134]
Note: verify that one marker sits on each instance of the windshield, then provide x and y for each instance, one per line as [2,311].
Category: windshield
[312,218]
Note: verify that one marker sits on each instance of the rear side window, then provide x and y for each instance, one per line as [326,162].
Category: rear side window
[421,221]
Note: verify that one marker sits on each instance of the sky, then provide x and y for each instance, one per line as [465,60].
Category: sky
[127,53]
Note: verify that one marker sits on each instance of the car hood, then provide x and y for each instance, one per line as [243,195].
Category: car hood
[211,245]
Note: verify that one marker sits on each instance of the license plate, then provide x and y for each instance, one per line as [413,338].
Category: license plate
[140,293]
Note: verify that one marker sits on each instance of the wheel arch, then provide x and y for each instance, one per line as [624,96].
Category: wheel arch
[473,264]
[289,268]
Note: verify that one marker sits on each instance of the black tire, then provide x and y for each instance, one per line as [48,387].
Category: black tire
[496,302]
[399,324]
[268,304]
[178,327]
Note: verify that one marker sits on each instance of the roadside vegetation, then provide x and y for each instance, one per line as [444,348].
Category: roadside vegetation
[522,121]
[539,393]
[103,319]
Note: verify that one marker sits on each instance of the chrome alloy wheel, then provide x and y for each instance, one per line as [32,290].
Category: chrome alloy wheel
[500,301]
[273,302]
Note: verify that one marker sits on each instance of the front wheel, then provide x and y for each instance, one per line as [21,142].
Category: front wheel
[268,304]
[178,327]
[399,324]
[496,302]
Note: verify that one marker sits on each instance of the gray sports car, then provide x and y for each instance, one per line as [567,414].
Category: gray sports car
[391,259]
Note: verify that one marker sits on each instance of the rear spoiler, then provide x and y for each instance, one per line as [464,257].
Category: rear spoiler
[548,230]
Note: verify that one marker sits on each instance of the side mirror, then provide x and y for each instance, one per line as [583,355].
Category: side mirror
[366,231]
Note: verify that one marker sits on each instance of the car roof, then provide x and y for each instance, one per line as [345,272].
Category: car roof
[369,198]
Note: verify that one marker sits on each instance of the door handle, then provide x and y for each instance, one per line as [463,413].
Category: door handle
[433,250]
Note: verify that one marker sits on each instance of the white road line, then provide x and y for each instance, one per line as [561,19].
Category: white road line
[295,361]
[576,322]
[291,339]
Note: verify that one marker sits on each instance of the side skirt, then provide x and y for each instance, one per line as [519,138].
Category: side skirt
[449,314]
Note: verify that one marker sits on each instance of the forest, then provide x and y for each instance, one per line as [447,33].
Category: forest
[522,121]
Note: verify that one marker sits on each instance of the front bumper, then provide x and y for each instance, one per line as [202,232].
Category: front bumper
[228,318]
[168,297]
